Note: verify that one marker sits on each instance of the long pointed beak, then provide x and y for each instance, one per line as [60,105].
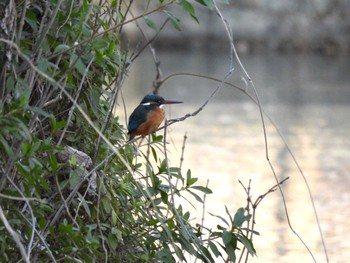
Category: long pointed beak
[171,102]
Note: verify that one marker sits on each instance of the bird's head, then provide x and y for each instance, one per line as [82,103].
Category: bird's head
[152,99]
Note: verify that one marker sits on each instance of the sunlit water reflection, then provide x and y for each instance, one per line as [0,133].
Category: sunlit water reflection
[308,99]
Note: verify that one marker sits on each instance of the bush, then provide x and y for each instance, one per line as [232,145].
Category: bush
[71,186]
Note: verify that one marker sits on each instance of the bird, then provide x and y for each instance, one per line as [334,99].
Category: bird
[147,116]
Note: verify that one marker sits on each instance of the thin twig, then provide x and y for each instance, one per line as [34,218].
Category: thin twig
[42,239]
[17,198]
[65,204]
[118,83]
[148,43]
[21,23]
[167,78]
[182,157]
[15,236]
[31,239]
[71,110]
[47,27]
[171,187]
[203,207]
[99,222]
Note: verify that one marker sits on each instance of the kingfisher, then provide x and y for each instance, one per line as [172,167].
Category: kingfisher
[147,117]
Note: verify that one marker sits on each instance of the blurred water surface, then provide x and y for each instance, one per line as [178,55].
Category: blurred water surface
[307,96]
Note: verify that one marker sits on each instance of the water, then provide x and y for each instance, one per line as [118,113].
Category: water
[307,97]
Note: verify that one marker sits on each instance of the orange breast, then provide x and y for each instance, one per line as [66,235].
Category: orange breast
[154,119]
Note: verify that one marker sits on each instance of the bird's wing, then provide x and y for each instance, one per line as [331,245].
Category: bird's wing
[136,118]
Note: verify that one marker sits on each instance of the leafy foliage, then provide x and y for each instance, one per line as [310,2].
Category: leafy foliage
[65,195]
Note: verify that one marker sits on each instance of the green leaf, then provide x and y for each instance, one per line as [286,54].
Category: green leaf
[186,216]
[228,213]
[94,100]
[164,197]
[221,218]
[114,3]
[10,83]
[189,180]
[250,230]
[38,110]
[99,43]
[74,179]
[240,218]
[247,243]
[106,204]
[112,241]
[43,65]
[197,197]
[14,126]
[203,189]
[42,183]
[60,48]
[163,167]
[165,256]
[56,125]
[53,163]
[214,248]
[84,203]
[8,150]
[206,253]
[188,7]
[25,170]
[174,20]
[207,3]
[154,222]
[32,20]
[114,217]
[80,66]
[150,23]
[99,56]
[111,48]
[230,250]
[175,170]
[226,237]
[78,63]
[22,129]
[154,153]
[157,138]
[179,253]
